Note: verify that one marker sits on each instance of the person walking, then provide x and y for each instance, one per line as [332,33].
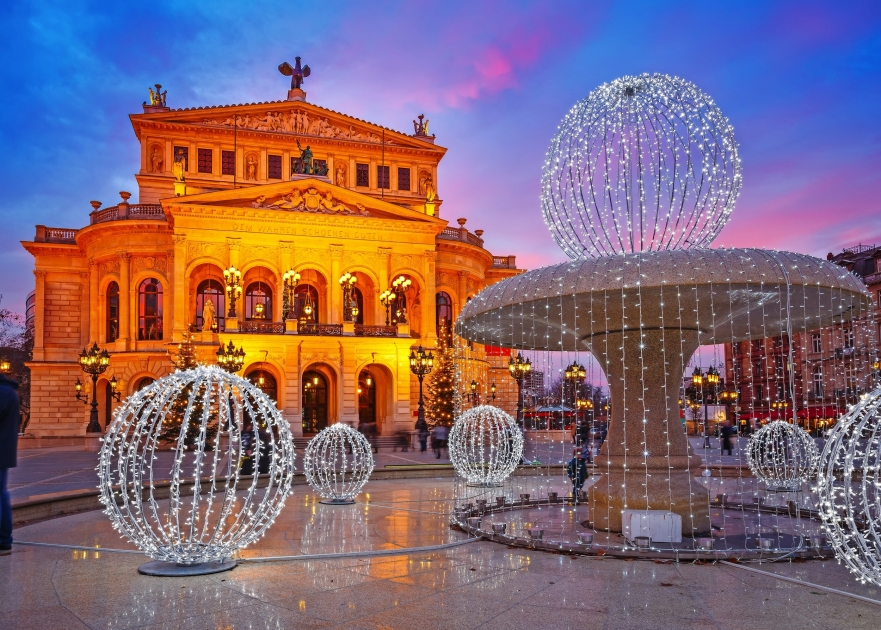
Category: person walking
[422,429]
[576,470]
[728,432]
[246,464]
[439,438]
[10,423]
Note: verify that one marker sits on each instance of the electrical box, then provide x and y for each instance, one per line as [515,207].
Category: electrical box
[659,525]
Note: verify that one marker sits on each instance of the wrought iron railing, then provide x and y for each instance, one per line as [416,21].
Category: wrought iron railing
[375,331]
[328,330]
[261,328]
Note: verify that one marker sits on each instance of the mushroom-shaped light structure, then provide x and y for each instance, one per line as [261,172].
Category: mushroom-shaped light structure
[202,412]
[338,462]
[485,445]
[782,455]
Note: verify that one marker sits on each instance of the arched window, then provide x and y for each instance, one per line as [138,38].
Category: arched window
[359,301]
[144,382]
[306,304]
[112,307]
[314,402]
[265,382]
[211,291]
[150,310]
[444,312]
[258,301]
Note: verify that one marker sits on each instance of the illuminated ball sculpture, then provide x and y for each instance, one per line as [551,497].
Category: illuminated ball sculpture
[338,462]
[485,445]
[643,163]
[782,455]
[849,488]
[212,510]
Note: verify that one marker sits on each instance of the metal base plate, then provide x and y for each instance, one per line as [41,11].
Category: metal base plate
[337,501]
[171,569]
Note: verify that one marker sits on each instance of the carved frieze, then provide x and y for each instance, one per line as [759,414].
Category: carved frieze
[309,200]
[153,263]
[297,122]
[196,250]
[258,252]
[110,266]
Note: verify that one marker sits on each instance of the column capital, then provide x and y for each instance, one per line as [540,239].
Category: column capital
[179,239]
[234,243]
[385,252]
[430,255]
[336,251]
[286,246]
[125,256]
[93,264]
[40,274]
[463,274]
[84,275]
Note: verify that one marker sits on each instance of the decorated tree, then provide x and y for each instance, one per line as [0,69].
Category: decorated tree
[441,382]
[186,358]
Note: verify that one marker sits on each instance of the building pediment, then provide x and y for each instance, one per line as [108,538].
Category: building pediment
[289,118]
[306,195]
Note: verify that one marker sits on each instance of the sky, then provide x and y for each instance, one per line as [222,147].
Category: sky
[799,81]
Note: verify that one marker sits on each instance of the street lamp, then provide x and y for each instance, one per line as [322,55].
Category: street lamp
[350,305]
[230,359]
[421,364]
[387,298]
[233,279]
[291,279]
[728,398]
[472,394]
[492,389]
[519,367]
[705,387]
[93,361]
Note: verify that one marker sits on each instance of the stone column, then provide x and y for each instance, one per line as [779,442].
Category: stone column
[335,299]
[385,254]
[177,270]
[94,303]
[646,461]
[352,175]
[233,246]
[39,313]
[125,302]
[429,321]
[463,289]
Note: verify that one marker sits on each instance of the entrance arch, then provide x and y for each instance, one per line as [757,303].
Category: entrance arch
[315,402]
[265,382]
[367,398]
[376,403]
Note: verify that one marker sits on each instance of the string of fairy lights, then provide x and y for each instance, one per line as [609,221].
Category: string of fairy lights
[485,445]
[338,462]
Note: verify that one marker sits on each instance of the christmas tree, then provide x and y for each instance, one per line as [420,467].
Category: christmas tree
[441,382]
[185,359]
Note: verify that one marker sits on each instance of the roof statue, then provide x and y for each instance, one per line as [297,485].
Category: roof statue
[297,74]
[157,98]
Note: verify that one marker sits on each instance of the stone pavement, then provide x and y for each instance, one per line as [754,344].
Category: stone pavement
[476,585]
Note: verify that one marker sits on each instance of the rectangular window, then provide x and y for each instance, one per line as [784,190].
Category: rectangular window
[403,179]
[848,337]
[185,152]
[757,345]
[228,162]
[758,394]
[778,363]
[382,176]
[205,159]
[757,369]
[274,166]
[816,342]
[818,382]
[362,175]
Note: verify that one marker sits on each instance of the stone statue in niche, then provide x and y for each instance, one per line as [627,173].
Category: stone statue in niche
[156,160]
[426,187]
[208,316]
[340,178]
[180,166]
[251,168]
[157,98]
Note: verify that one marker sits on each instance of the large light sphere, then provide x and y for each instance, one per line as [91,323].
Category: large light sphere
[338,462]
[211,510]
[643,163]
[849,488]
[485,445]
[782,455]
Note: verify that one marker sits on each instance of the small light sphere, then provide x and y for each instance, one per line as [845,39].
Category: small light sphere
[338,462]
[782,455]
[655,135]
[485,445]
[204,519]
[849,488]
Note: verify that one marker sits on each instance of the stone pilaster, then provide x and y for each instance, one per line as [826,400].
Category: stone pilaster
[335,316]
[39,314]
[125,303]
[429,322]
[94,303]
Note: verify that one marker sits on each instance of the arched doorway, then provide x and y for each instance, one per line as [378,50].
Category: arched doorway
[367,399]
[314,402]
[144,382]
[265,382]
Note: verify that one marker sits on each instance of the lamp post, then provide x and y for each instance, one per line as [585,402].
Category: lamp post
[233,280]
[492,389]
[387,298]
[350,306]
[399,288]
[230,359]
[94,361]
[421,364]
[705,386]
[472,393]
[291,279]
[728,398]
[519,367]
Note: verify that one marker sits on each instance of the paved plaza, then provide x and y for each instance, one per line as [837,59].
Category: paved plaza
[471,585]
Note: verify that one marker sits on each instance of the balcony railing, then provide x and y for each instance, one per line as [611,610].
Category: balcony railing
[324,330]
[123,211]
[375,331]
[461,234]
[45,234]
[261,328]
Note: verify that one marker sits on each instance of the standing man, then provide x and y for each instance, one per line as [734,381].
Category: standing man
[728,432]
[576,470]
[10,423]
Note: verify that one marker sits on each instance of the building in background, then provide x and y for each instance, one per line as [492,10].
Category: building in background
[265,188]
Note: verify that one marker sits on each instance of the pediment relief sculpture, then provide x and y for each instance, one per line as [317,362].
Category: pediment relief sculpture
[298,122]
[310,201]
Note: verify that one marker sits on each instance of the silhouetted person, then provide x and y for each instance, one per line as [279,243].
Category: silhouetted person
[10,423]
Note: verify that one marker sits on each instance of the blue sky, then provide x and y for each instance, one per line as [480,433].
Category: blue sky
[800,82]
